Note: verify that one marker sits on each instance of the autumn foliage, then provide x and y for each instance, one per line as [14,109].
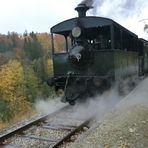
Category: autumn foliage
[11,78]
[12,88]
[25,64]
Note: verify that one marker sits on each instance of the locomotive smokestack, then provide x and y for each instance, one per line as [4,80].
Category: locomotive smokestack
[81,9]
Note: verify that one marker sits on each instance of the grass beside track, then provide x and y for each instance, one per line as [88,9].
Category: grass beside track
[18,119]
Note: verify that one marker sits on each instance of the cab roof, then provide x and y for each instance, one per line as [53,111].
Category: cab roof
[86,22]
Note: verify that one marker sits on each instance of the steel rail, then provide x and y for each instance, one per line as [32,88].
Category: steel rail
[70,129]
[71,133]
[20,129]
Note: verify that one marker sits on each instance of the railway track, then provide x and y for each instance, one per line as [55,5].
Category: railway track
[49,131]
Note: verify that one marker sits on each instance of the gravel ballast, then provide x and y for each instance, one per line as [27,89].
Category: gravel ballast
[125,126]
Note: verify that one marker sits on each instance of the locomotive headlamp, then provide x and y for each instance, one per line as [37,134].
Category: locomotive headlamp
[76,32]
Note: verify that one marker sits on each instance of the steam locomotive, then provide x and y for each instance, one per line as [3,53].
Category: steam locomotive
[97,52]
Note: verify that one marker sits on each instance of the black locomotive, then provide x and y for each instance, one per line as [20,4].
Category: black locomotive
[98,52]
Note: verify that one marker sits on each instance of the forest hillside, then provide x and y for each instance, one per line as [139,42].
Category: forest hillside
[25,64]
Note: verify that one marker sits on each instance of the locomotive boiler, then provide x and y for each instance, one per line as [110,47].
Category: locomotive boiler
[95,53]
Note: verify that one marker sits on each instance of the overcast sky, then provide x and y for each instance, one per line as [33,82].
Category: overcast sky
[40,15]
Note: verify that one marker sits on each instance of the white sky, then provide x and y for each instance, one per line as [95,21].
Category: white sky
[41,15]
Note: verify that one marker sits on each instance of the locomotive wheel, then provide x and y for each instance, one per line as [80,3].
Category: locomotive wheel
[72,102]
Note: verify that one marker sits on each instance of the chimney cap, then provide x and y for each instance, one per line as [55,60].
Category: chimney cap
[82,8]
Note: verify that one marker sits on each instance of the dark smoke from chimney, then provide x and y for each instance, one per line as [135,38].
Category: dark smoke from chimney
[93,3]
[88,2]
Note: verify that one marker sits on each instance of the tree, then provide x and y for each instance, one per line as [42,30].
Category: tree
[12,87]
[31,84]
[5,112]
[11,78]
[45,41]
[32,47]
[60,45]
[49,67]
[6,43]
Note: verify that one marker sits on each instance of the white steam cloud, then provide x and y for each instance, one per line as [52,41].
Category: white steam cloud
[138,96]
[119,7]
[46,107]
[97,106]
[102,105]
